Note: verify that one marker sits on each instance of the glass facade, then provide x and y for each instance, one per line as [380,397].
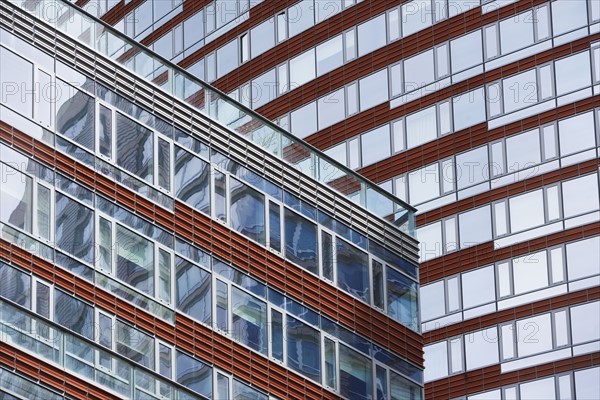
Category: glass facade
[482,114]
[134,285]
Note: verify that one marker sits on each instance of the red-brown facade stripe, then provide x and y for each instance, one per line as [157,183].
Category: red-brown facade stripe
[485,253]
[510,314]
[238,250]
[467,139]
[513,189]
[490,378]
[382,114]
[188,335]
[57,378]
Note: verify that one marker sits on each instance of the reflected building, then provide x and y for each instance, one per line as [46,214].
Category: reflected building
[484,115]
[161,240]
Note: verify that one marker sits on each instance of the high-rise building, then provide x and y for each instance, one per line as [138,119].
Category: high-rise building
[484,115]
[159,240]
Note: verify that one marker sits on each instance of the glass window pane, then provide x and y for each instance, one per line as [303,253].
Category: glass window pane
[277,335]
[375,145]
[585,322]
[330,55]
[73,314]
[274,227]
[247,211]
[478,287]
[262,37]
[538,389]
[416,15]
[193,374]
[75,115]
[468,109]
[301,241]
[135,345]
[17,74]
[573,73]
[304,120]
[534,335]
[105,131]
[373,89]
[516,32]
[481,348]
[419,71]
[424,184]
[135,260]
[433,301]
[436,361]
[523,150]
[402,298]
[475,227]
[573,202]
[15,286]
[249,320]
[74,228]
[530,272]
[193,290]
[355,374]
[576,133]
[526,211]
[568,15]
[472,167]
[587,383]
[16,198]
[519,91]
[135,148]
[303,349]
[302,68]
[330,364]
[371,35]
[583,258]
[421,127]
[222,306]
[191,180]
[332,108]
[352,270]
[301,16]
[466,51]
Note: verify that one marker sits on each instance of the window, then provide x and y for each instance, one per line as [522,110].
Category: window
[433,301]
[424,184]
[416,15]
[302,68]
[192,184]
[332,108]
[375,145]
[402,298]
[523,150]
[303,348]
[75,115]
[481,348]
[300,17]
[576,133]
[534,335]
[304,120]
[573,202]
[355,374]
[526,211]
[436,361]
[466,51]
[301,241]
[192,373]
[583,258]
[247,211]
[538,389]
[227,58]
[15,286]
[472,167]
[330,55]
[16,75]
[468,109]
[73,314]
[519,91]
[421,127]
[264,89]
[516,32]
[352,270]
[419,71]
[373,89]
[475,227]
[568,15]
[135,260]
[530,272]
[74,228]
[572,73]
[430,238]
[135,148]
[193,290]
[16,190]
[135,345]
[262,37]
[587,383]
[249,320]
[371,35]
[478,287]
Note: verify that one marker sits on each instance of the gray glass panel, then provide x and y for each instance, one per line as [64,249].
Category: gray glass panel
[516,32]
[481,348]
[304,120]
[135,260]
[302,68]
[135,345]
[433,301]
[478,287]
[105,131]
[15,285]
[301,16]
[583,258]
[466,51]
[16,76]
[573,202]
[468,109]
[403,389]
[332,108]
[523,150]
[573,73]
[419,70]
[371,35]
[472,167]
[227,58]
[568,15]
[375,145]
[264,89]
[475,227]
[373,89]
[262,37]
[16,198]
[193,290]
[416,15]
[277,335]
[526,211]
[576,133]
[330,55]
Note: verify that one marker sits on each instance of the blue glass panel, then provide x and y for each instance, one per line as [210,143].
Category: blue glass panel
[301,241]
[192,180]
[247,211]
[355,375]
[352,270]
[15,285]
[73,314]
[303,349]
[74,228]
[249,320]
[193,290]
[402,298]
[75,115]
[193,374]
